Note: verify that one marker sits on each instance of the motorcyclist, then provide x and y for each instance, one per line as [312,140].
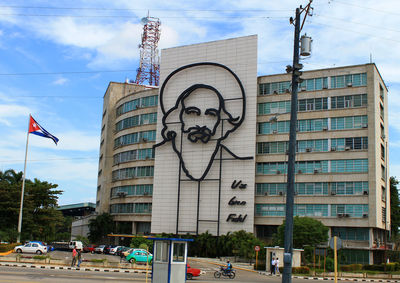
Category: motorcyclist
[228,267]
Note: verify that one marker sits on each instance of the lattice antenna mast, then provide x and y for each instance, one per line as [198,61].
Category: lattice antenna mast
[149,69]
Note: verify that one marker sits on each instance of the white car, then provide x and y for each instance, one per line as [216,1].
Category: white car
[113,250]
[33,248]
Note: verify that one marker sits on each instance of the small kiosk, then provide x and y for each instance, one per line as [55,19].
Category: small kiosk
[170,259]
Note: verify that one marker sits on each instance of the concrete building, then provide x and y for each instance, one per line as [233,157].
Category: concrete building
[341,161]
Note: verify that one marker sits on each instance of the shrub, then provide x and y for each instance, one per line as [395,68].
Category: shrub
[7,247]
[329,265]
[98,260]
[351,267]
[260,265]
[41,257]
[374,267]
[301,270]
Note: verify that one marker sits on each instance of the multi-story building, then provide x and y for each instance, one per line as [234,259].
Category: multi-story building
[341,160]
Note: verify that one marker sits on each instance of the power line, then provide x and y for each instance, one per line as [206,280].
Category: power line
[368,8]
[130,9]
[65,73]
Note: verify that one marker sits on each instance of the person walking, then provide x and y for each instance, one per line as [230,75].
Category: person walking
[79,257]
[277,266]
[74,253]
[273,266]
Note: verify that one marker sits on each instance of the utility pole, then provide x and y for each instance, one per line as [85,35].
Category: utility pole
[295,70]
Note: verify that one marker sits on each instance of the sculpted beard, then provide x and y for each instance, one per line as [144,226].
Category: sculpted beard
[198,133]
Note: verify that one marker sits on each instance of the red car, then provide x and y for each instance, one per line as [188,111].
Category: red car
[192,272]
[89,249]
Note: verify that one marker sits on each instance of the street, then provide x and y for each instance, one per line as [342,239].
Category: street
[36,275]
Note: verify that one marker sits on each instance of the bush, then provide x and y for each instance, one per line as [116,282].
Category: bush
[329,265]
[40,257]
[301,270]
[374,267]
[351,267]
[98,260]
[7,247]
[260,265]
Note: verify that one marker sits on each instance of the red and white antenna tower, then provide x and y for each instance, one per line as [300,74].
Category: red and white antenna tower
[149,69]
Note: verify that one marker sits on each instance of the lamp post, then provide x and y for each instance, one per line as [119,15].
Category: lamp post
[295,70]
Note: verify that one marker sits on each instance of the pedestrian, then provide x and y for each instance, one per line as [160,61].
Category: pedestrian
[273,266]
[277,266]
[79,257]
[74,252]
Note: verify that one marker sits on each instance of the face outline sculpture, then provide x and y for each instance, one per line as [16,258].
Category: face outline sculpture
[200,123]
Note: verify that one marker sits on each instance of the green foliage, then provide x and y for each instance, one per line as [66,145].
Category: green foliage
[351,267]
[306,231]
[99,227]
[41,219]
[7,247]
[329,264]
[301,270]
[9,235]
[98,260]
[142,243]
[394,206]
[260,265]
[40,257]
[83,239]
[374,267]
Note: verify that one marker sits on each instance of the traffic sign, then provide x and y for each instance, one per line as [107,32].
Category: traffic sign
[257,248]
[338,243]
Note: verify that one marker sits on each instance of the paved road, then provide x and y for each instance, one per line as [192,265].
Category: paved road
[23,275]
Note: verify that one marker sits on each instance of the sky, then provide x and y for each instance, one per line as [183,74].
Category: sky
[58,57]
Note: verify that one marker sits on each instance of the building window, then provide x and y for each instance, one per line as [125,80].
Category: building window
[100,171]
[382,132]
[274,107]
[382,111]
[348,101]
[313,104]
[381,93]
[97,203]
[351,122]
[383,193]
[131,208]
[102,128]
[349,210]
[342,144]
[132,155]
[313,210]
[161,252]
[102,142]
[178,254]
[383,214]
[138,120]
[135,138]
[270,210]
[383,172]
[314,84]
[349,188]
[137,103]
[104,113]
[351,233]
[349,80]
[132,172]
[274,88]
[382,152]
[132,190]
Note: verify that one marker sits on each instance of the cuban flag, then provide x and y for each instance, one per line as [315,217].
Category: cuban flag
[35,128]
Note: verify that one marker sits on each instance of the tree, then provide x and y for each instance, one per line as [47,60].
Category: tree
[394,207]
[99,227]
[40,218]
[306,231]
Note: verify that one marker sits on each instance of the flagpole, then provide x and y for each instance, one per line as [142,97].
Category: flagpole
[23,185]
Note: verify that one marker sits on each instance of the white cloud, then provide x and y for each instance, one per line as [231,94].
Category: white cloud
[60,81]
[8,112]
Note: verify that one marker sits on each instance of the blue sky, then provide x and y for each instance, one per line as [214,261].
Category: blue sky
[57,58]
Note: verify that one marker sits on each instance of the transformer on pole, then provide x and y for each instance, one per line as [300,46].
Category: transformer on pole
[148,72]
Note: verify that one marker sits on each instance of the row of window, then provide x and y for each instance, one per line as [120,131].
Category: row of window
[315,84]
[351,233]
[131,208]
[132,190]
[138,120]
[131,155]
[314,104]
[318,188]
[318,166]
[320,145]
[313,125]
[148,101]
[316,210]
[135,138]
[133,172]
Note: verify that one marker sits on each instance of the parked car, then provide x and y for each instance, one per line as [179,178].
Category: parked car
[76,244]
[99,249]
[89,249]
[107,249]
[120,250]
[113,250]
[140,256]
[192,272]
[31,247]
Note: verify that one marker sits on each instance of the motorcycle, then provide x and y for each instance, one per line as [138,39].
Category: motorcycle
[230,273]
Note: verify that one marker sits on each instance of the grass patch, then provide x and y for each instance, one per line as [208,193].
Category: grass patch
[98,260]
[41,257]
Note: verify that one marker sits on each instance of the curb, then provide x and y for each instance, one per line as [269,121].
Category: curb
[74,268]
[332,278]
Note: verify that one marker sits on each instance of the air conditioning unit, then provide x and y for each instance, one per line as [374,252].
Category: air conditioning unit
[316,171]
[278,172]
[349,84]
[333,193]
[287,90]
[333,148]
[299,171]
[265,193]
[340,214]
[281,193]
[146,193]
[308,149]
[274,131]
[325,87]
[303,88]
[275,92]
[143,140]
[121,194]
[365,215]
[347,148]
[325,128]
[365,193]
[364,125]
[347,215]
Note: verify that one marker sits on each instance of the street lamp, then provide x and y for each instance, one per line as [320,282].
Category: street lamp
[296,73]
